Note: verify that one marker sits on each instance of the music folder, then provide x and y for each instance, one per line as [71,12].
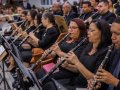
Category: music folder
[62,25]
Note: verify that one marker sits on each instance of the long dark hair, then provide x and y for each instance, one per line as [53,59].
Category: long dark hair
[39,16]
[50,17]
[104,28]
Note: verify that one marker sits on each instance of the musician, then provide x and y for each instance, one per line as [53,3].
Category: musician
[26,4]
[49,35]
[77,32]
[87,10]
[89,59]
[19,9]
[24,49]
[94,4]
[112,77]
[56,8]
[30,17]
[44,38]
[117,8]
[111,8]
[103,12]
[67,12]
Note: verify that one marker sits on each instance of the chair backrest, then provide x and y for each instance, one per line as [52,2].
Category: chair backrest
[61,23]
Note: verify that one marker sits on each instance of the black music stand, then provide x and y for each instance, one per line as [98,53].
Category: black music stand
[61,23]
[3,79]
[28,74]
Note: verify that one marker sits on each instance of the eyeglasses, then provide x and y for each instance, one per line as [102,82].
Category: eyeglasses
[73,27]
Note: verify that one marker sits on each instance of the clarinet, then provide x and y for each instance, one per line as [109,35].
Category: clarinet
[19,35]
[28,36]
[103,63]
[49,51]
[59,64]
[23,22]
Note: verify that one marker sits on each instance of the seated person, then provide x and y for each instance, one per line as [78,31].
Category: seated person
[45,37]
[111,77]
[99,37]
[77,32]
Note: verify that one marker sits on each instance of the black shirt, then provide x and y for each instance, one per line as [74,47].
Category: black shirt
[66,47]
[91,62]
[108,16]
[48,37]
[70,16]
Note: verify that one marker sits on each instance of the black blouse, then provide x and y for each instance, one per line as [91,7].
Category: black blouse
[32,28]
[66,47]
[47,37]
[91,62]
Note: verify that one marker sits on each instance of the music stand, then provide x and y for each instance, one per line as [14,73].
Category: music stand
[28,74]
[62,25]
[3,54]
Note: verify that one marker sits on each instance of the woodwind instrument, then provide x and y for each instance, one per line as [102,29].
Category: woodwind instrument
[49,51]
[19,35]
[90,17]
[29,36]
[60,63]
[3,16]
[103,64]
[23,22]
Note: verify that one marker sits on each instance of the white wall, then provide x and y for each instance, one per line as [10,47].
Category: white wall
[37,3]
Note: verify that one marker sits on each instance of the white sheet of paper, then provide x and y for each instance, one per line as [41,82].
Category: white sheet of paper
[2,49]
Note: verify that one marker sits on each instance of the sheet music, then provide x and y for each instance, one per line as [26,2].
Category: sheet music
[2,49]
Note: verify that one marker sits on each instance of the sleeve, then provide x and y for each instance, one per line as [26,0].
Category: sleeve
[48,39]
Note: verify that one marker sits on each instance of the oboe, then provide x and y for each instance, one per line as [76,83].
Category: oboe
[103,63]
[62,61]
[49,51]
